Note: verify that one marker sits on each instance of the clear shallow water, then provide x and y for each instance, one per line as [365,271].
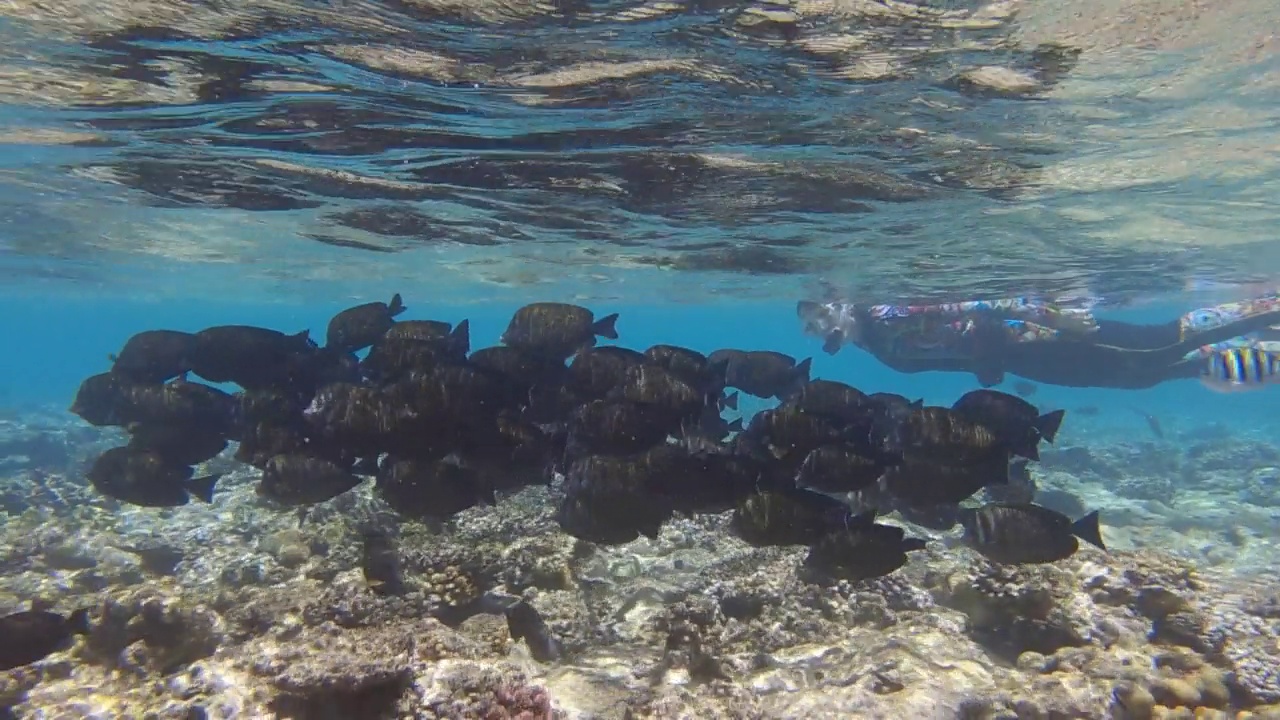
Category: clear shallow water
[628,152]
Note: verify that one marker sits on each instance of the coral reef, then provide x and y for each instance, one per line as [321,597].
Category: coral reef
[241,609]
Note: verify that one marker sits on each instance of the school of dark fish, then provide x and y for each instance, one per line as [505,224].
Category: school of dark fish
[632,437]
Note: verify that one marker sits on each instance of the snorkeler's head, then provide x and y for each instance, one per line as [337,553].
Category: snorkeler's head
[835,322]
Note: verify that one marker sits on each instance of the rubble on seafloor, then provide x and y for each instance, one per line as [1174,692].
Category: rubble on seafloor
[240,610]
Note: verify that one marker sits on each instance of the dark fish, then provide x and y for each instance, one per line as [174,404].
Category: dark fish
[762,373]
[303,480]
[359,327]
[1241,369]
[787,517]
[596,371]
[426,330]
[557,329]
[1024,388]
[251,357]
[609,500]
[1014,420]
[924,482]
[262,441]
[652,385]
[363,420]
[524,622]
[618,427]
[705,482]
[690,365]
[33,635]
[1153,423]
[393,359]
[154,356]
[837,469]
[785,433]
[894,404]
[108,399]
[380,563]
[146,479]
[832,399]
[434,489]
[522,369]
[861,550]
[277,406]
[944,435]
[513,453]
[179,444]
[323,366]
[102,399]
[1015,534]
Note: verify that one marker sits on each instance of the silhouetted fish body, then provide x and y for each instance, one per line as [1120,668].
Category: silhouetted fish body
[1016,534]
[303,480]
[154,356]
[596,371]
[557,329]
[1014,420]
[429,488]
[787,517]
[762,373]
[179,444]
[861,550]
[252,357]
[609,500]
[145,478]
[924,482]
[33,635]
[359,327]
[837,469]
[833,400]
[690,365]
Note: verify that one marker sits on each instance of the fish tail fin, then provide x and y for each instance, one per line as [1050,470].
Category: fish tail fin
[202,487]
[736,425]
[396,306]
[604,327]
[1087,529]
[910,544]
[801,371]
[303,339]
[78,621]
[460,336]
[1049,423]
[730,401]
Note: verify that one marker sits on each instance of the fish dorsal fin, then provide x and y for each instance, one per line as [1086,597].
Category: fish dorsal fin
[39,604]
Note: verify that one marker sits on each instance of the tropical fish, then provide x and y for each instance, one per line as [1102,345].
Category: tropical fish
[1240,369]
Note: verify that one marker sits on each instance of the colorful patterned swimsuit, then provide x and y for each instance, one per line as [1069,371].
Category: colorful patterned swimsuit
[925,332]
[941,331]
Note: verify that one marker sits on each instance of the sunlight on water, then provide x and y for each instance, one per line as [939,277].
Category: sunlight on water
[492,519]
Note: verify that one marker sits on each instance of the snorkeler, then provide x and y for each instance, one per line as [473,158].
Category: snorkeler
[1042,341]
